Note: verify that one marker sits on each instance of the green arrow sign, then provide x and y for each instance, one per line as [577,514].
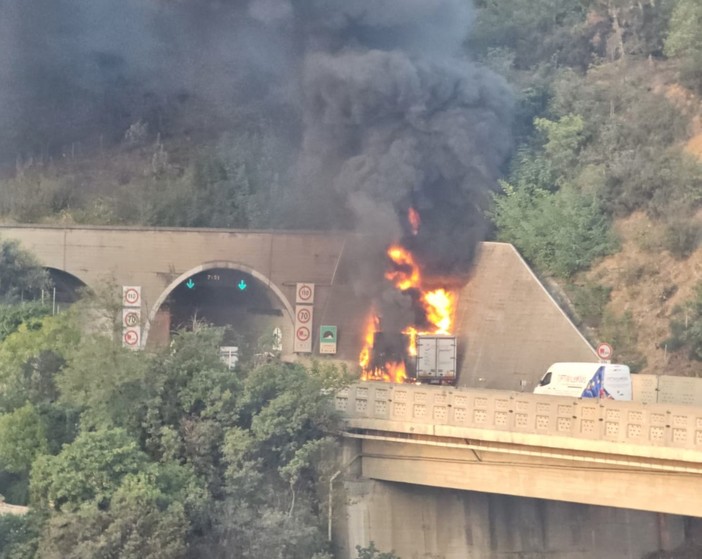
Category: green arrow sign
[242,285]
[190,283]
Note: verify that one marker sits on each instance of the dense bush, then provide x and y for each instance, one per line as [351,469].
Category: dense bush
[684,41]
[590,301]
[562,232]
[686,327]
[187,457]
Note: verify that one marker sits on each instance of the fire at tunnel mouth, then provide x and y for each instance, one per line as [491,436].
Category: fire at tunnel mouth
[393,354]
[228,298]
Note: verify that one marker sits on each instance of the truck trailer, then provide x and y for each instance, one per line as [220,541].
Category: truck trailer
[436,359]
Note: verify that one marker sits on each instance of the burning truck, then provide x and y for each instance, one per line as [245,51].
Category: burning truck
[424,351]
[399,358]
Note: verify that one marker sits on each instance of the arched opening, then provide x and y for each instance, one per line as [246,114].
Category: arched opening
[235,297]
[65,290]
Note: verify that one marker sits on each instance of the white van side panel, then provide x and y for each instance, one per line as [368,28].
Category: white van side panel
[573,379]
[568,379]
[617,381]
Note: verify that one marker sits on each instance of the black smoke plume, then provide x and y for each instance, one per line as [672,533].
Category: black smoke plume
[377,98]
[395,117]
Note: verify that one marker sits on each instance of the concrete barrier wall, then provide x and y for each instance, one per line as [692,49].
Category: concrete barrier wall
[625,423]
[667,389]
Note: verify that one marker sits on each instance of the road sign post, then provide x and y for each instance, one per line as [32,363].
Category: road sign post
[131,316]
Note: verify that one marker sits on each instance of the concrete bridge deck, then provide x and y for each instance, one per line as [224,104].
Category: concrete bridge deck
[600,452]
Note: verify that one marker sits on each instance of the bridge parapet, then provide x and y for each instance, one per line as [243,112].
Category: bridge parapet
[659,431]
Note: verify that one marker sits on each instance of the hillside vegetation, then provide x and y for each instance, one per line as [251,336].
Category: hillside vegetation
[275,114]
[601,195]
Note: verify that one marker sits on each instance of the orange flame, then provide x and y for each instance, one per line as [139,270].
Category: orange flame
[391,371]
[439,307]
[371,327]
[414,220]
[405,274]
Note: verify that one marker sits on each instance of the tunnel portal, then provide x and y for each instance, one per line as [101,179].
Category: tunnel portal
[230,298]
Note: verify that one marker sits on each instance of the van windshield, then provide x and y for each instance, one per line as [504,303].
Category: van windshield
[546,380]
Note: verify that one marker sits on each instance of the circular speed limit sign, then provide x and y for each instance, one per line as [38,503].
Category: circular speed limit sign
[305,292]
[131,319]
[604,351]
[131,296]
[304,315]
[131,338]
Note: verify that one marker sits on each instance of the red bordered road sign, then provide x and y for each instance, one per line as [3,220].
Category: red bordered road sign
[304,293]
[131,317]
[604,351]
[131,337]
[131,296]
[304,318]
[303,333]
[304,315]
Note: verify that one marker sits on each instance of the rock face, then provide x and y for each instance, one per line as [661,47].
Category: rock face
[422,523]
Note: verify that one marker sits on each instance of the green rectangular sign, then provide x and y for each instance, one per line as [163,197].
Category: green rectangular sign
[327,339]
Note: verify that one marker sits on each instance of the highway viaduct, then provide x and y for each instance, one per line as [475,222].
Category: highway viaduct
[598,452]
[616,459]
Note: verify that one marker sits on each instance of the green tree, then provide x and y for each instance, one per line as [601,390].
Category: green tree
[175,451]
[276,461]
[684,41]
[685,30]
[533,31]
[564,139]
[236,183]
[22,439]
[19,535]
[113,398]
[13,315]
[21,276]
[139,523]
[90,469]
[31,357]
[562,232]
[686,327]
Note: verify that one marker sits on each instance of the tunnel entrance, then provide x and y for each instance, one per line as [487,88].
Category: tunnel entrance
[250,312]
[65,289]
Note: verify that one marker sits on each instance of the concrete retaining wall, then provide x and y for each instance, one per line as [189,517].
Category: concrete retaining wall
[666,389]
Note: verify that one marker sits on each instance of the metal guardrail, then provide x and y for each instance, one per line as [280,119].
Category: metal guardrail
[454,411]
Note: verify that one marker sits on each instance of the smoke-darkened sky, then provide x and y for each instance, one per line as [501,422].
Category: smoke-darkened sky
[384,106]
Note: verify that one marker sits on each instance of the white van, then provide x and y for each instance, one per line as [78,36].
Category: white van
[586,380]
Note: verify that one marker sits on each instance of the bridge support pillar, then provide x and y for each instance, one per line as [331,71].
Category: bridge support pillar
[417,521]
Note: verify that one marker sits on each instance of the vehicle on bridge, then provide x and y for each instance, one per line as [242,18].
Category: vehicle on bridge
[435,359]
[587,380]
